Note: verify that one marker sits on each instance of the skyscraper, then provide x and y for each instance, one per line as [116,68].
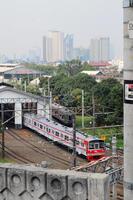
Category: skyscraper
[57,46]
[100,49]
[104,49]
[68,47]
[44,49]
[94,50]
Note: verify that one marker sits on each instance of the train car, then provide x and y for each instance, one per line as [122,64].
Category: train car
[89,146]
[62,114]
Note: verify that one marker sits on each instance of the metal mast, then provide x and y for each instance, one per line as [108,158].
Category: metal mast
[128,99]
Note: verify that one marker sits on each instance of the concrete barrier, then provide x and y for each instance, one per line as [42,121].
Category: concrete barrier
[23,182]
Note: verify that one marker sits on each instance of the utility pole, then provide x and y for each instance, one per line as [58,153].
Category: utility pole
[114,166]
[128,99]
[74,142]
[93,106]
[2,129]
[25,86]
[50,114]
[83,109]
[48,86]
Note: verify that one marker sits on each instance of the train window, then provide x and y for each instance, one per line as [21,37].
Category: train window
[41,126]
[34,123]
[57,133]
[47,129]
[77,142]
[82,144]
[61,135]
[66,137]
[53,131]
[97,145]
[91,145]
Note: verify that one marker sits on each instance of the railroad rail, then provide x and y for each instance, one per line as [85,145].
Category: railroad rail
[36,148]
[16,156]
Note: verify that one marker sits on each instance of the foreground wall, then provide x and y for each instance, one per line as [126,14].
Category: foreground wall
[18,182]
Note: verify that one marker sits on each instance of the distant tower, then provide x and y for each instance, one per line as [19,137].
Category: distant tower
[100,49]
[94,50]
[57,46]
[104,49]
[68,47]
[44,49]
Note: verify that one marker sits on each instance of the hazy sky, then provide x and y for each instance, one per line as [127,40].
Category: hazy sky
[24,22]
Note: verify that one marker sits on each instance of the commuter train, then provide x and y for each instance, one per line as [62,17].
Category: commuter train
[89,146]
[62,114]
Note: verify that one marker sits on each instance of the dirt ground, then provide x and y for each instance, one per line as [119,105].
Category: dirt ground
[43,150]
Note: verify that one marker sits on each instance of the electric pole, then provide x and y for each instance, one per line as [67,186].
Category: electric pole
[128,99]
[74,142]
[48,86]
[2,129]
[83,109]
[93,106]
[50,114]
[114,189]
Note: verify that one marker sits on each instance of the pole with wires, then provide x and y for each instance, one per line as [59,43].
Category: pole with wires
[83,109]
[2,130]
[93,106]
[114,190]
[74,142]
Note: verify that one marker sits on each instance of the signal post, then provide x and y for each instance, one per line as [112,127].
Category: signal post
[128,99]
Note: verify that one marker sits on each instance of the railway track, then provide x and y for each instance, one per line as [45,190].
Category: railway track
[15,156]
[36,148]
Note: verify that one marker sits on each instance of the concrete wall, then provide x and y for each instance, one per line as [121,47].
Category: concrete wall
[19,182]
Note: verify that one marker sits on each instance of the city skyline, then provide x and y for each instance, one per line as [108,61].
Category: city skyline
[23,23]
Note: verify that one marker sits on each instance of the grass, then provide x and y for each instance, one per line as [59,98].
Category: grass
[87,121]
[6,160]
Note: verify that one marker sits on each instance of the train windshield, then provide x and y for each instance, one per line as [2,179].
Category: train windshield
[96,144]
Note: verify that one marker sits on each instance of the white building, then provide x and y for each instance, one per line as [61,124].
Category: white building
[100,49]
[53,47]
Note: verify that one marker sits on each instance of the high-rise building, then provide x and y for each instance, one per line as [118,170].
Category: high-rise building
[94,50]
[100,49]
[47,49]
[68,47]
[53,47]
[81,53]
[44,49]
[104,49]
[57,45]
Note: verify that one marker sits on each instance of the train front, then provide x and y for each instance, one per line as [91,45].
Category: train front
[95,148]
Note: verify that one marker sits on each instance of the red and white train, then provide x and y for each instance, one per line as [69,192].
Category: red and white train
[89,146]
